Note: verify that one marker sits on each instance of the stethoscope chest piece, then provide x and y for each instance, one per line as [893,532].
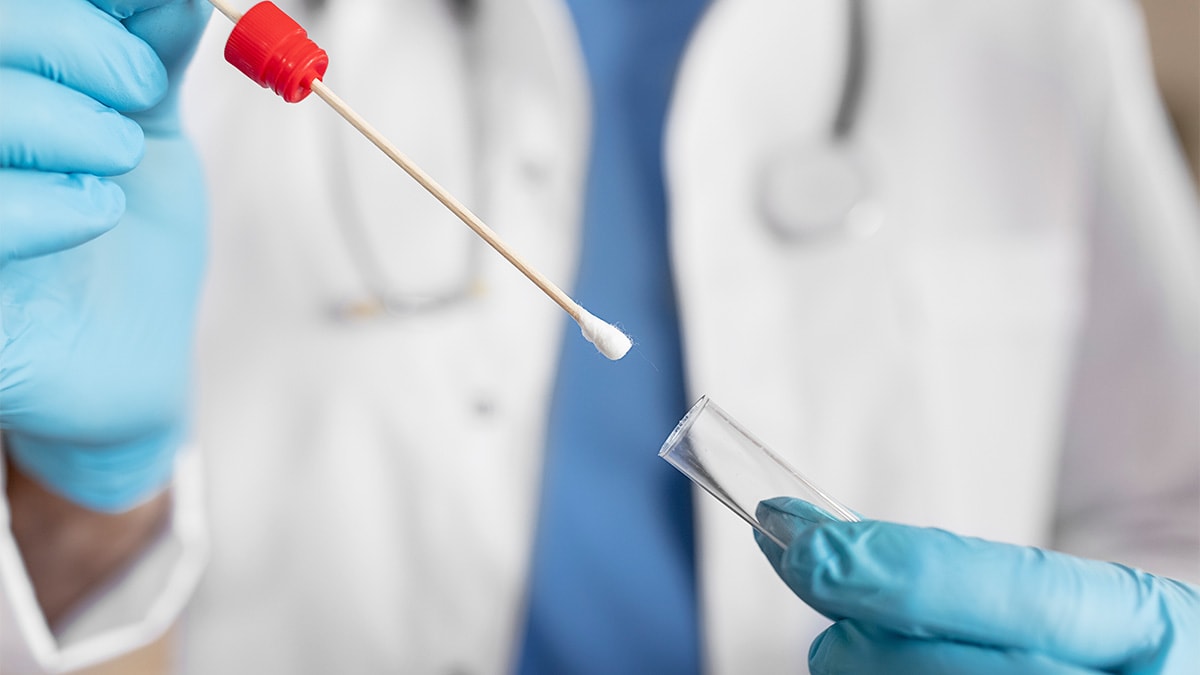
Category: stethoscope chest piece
[811,193]
[820,190]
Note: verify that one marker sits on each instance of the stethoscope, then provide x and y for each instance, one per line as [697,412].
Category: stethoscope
[819,190]
[381,298]
[808,192]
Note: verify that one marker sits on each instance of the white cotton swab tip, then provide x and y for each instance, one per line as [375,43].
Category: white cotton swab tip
[609,339]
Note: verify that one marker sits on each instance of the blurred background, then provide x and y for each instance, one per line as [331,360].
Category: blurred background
[1174,27]
[1174,31]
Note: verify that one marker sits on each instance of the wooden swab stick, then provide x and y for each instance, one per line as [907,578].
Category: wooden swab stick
[276,35]
[225,8]
[448,200]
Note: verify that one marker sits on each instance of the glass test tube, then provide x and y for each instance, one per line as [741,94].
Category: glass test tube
[725,459]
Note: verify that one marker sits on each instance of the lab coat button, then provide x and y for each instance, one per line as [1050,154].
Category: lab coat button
[484,407]
[534,171]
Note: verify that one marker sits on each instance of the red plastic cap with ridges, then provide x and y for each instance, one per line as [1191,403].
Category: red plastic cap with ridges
[274,51]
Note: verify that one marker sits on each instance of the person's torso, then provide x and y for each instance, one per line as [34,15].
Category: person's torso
[372,481]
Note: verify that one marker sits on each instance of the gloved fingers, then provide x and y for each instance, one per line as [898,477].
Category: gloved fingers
[784,517]
[852,648]
[929,583]
[59,129]
[43,212]
[73,42]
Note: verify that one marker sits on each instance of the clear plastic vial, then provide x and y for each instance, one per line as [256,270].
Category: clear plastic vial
[725,459]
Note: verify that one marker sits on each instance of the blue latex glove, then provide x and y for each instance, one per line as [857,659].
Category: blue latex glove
[919,600]
[101,243]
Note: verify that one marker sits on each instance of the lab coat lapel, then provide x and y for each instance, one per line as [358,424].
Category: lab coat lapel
[738,97]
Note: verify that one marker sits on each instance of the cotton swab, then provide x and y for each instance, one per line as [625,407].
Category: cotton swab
[273,50]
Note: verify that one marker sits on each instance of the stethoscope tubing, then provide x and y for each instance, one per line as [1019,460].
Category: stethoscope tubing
[854,77]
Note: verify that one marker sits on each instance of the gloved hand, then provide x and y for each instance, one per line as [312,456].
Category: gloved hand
[919,600]
[96,325]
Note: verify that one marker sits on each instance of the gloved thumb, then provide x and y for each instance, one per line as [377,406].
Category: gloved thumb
[172,28]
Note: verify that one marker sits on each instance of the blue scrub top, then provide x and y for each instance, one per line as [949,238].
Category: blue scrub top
[614,585]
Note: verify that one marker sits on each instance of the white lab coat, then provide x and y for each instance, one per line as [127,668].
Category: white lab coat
[1014,354]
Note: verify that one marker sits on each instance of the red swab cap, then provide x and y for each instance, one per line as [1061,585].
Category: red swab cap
[274,51]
